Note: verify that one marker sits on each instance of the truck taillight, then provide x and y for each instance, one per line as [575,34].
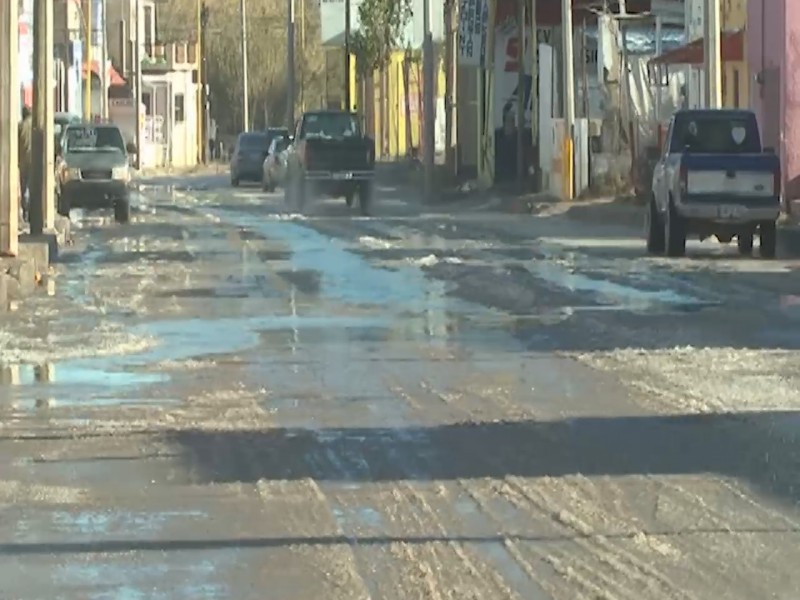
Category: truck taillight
[776,182]
[684,179]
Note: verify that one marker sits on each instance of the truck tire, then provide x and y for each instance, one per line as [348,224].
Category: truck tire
[675,233]
[744,241]
[656,237]
[299,193]
[768,239]
[365,192]
[122,210]
[288,184]
[62,205]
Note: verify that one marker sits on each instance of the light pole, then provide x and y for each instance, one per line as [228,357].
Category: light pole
[348,104]
[429,138]
[569,98]
[42,169]
[87,53]
[290,66]
[137,59]
[9,108]
[713,58]
[103,62]
[245,82]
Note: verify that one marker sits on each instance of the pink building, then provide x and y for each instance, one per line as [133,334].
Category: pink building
[773,57]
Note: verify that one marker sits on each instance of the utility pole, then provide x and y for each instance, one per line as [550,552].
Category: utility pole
[103,62]
[534,50]
[41,185]
[450,29]
[9,109]
[347,100]
[137,60]
[245,82]
[428,122]
[521,92]
[659,48]
[290,67]
[200,91]
[568,160]
[302,55]
[87,53]
[713,58]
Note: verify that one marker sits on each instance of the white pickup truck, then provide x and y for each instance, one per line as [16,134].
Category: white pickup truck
[714,179]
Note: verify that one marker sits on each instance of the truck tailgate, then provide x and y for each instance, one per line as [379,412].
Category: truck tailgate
[336,155]
[731,174]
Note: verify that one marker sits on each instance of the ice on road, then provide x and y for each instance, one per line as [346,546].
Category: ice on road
[225,400]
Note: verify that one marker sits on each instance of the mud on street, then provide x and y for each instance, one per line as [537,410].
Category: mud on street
[225,400]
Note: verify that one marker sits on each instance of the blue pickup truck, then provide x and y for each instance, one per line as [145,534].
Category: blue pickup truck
[714,179]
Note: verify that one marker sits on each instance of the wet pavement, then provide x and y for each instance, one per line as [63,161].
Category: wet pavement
[226,400]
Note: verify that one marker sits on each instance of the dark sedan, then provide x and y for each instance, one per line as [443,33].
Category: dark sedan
[249,153]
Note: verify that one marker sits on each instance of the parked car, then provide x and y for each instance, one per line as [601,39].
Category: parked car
[331,157]
[714,179]
[248,157]
[249,152]
[92,170]
[274,168]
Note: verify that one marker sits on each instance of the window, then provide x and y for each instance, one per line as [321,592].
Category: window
[736,91]
[180,116]
[148,26]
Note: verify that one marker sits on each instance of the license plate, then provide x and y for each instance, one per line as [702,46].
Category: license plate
[342,175]
[730,211]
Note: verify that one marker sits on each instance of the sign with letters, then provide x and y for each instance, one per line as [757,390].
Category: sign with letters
[472,22]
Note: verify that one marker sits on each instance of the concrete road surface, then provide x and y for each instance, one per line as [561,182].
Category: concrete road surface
[226,400]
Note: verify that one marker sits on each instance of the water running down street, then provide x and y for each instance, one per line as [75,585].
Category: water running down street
[226,400]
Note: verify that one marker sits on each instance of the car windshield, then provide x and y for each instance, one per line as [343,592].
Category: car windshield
[330,125]
[94,139]
[254,141]
[718,134]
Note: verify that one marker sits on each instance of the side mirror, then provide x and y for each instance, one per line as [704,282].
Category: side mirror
[130,148]
[769,150]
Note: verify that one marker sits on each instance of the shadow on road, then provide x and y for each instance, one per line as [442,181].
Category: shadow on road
[758,447]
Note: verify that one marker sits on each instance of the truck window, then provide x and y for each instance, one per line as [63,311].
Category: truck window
[716,134]
[330,126]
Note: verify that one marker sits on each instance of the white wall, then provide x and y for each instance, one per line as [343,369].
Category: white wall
[180,135]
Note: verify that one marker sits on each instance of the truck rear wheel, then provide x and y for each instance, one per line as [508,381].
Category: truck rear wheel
[768,239]
[744,241]
[675,232]
[122,210]
[299,193]
[365,198]
[656,240]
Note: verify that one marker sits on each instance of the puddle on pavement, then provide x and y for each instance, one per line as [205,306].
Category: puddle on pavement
[138,524]
[139,577]
[72,384]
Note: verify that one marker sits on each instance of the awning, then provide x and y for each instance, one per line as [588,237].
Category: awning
[731,47]
[114,78]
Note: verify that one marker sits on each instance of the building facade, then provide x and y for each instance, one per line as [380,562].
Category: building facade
[773,54]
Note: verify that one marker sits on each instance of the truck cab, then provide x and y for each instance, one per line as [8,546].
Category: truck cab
[713,178]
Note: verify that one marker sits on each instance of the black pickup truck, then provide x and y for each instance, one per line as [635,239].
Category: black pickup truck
[330,157]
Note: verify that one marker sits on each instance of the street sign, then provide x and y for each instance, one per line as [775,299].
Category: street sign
[472,22]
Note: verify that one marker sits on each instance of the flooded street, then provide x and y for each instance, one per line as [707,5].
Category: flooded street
[225,400]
